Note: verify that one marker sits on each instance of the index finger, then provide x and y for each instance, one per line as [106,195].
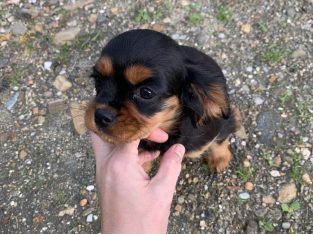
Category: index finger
[101,148]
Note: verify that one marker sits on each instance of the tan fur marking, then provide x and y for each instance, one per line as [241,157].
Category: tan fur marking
[214,100]
[219,156]
[104,66]
[137,73]
[130,124]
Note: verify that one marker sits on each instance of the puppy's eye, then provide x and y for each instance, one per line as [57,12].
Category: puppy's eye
[146,93]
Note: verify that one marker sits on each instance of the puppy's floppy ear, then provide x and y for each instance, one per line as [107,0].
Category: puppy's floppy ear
[205,93]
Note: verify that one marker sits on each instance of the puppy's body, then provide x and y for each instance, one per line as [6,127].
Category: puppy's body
[145,80]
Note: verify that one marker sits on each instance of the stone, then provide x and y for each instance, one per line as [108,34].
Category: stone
[202,38]
[306,153]
[6,136]
[241,133]
[90,188]
[244,196]
[66,36]
[61,83]
[298,53]
[272,78]
[277,161]
[267,124]
[5,37]
[114,10]
[287,193]
[12,101]
[269,200]
[258,101]
[83,202]
[67,211]
[252,227]
[22,155]
[178,208]
[41,120]
[249,186]
[28,13]
[56,106]
[246,163]
[157,27]
[275,173]
[78,116]
[181,199]
[246,28]
[77,4]
[38,219]
[202,224]
[261,212]
[18,28]
[286,225]
[92,18]
[47,65]
[89,218]
[306,178]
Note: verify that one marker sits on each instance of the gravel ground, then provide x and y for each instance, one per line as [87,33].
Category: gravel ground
[47,172]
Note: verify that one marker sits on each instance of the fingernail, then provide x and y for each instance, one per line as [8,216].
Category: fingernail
[179,150]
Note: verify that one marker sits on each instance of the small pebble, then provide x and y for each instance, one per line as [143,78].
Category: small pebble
[89,218]
[83,202]
[306,178]
[246,163]
[90,188]
[244,196]
[202,224]
[258,101]
[268,200]
[181,199]
[306,153]
[286,225]
[249,69]
[249,186]
[246,28]
[275,173]
[47,65]
[22,155]
[178,208]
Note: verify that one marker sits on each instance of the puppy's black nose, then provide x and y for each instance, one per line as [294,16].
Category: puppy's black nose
[104,117]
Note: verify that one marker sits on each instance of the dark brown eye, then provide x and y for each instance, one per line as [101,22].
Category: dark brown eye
[146,93]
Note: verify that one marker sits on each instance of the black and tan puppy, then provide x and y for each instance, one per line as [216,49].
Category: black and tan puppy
[144,80]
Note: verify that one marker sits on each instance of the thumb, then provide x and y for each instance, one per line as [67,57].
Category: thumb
[170,168]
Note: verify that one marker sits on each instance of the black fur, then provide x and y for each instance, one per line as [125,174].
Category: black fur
[175,70]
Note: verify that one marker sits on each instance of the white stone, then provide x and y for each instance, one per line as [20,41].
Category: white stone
[47,65]
[244,196]
[90,188]
[89,218]
[275,173]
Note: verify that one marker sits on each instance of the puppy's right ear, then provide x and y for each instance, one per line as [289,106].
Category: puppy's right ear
[204,94]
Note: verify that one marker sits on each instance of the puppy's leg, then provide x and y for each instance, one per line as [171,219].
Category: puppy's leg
[219,156]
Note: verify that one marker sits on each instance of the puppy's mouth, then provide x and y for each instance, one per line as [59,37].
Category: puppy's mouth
[128,124]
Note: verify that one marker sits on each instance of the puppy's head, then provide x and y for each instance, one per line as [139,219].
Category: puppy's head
[142,83]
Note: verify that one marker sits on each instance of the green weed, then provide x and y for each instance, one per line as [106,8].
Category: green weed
[224,14]
[266,225]
[60,197]
[296,172]
[244,173]
[274,54]
[142,16]
[262,26]
[193,12]
[290,209]
[285,97]
[14,76]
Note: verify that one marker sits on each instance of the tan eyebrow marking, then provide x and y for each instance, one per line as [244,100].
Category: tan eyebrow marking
[137,73]
[105,66]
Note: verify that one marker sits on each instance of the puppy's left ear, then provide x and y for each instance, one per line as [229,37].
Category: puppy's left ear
[205,94]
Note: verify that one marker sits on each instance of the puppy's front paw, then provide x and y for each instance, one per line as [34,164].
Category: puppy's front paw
[219,156]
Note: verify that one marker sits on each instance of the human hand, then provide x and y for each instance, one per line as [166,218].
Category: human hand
[132,202]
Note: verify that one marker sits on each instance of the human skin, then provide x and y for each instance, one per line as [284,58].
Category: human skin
[131,201]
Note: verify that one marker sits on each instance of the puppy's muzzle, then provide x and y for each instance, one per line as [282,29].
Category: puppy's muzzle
[104,117]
